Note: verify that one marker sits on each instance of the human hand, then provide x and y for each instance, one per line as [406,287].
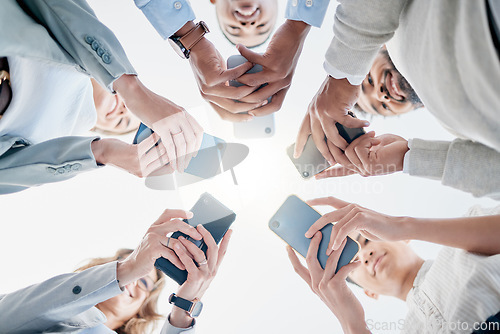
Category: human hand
[331,288]
[330,105]
[154,245]
[201,270]
[278,63]
[372,156]
[141,159]
[180,134]
[352,217]
[211,74]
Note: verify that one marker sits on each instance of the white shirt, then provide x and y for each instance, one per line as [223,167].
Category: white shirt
[455,292]
[48,101]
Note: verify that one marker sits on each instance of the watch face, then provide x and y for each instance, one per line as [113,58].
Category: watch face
[197,309]
[177,48]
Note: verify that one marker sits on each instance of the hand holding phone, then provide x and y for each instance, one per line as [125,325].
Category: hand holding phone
[291,222]
[215,217]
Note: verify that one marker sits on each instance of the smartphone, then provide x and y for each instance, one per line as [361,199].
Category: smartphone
[349,134]
[291,222]
[215,217]
[258,127]
[310,162]
[207,162]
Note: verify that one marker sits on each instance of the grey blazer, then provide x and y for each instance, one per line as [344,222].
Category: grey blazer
[62,32]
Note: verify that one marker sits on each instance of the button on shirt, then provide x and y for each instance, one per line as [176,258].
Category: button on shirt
[166,16]
[455,291]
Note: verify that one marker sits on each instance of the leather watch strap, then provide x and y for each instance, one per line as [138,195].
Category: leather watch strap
[194,35]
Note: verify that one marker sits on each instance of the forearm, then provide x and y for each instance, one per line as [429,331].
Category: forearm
[473,234]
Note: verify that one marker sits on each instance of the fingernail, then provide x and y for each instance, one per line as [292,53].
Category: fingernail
[295,156]
[331,162]
[251,113]
[189,214]
[264,103]
[366,124]
[308,234]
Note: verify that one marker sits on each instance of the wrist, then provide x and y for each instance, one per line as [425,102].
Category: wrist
[185,29]
[409,227]
[98,147]
[126,85]
[180,318]
[299,28]
[124,273]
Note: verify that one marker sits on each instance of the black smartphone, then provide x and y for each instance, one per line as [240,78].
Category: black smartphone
[349,134]
[215,217]
[207,162]
[291,222]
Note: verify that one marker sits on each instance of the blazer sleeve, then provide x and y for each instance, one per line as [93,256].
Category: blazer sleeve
[74,25]
[44,305]
[23,165]
[461,164]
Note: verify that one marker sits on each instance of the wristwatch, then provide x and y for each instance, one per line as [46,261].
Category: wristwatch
[193,308]
[183,44]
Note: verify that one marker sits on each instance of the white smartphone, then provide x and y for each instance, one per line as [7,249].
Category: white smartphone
[258,127]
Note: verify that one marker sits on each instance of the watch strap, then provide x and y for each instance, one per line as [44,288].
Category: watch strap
[194,35]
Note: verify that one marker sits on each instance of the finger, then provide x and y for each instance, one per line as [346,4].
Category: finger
[326,219]
[160,162]
[227,91]
[235,106]
[212,250]
[275,105]
[335,172]
[170,255]
[235,72]
[191,141]
[153,154]
[353,158]
[198,254]
[180,150]
[302,136]
[347,269]
[363,151]
[341,230]
[168,142]
[319,139]
[331,201]
[340,157]
[351,122]
[331,263]
[147,144]
[297,266]
[228,116]
[198,131]
[185,259]
[223,248]
[265,92]
[331,131]
[178,225]
[312,258]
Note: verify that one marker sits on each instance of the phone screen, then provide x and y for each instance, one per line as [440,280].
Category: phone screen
[291,222]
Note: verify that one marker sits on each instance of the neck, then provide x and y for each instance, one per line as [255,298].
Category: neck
[113,321]
[410,278]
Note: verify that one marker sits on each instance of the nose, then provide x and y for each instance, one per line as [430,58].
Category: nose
[365,256]
[381,94]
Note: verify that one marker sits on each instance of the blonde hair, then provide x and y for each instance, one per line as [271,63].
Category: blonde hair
[148,313]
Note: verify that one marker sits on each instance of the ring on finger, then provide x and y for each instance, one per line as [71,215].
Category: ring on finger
[175,134]
[168,241]
[202,263]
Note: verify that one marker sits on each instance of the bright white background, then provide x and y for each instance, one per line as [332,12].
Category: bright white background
[49,230]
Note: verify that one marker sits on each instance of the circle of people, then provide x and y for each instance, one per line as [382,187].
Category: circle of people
[386,58]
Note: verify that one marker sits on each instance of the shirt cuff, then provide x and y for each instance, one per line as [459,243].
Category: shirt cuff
[337,74]
[427,158]
[166,16]
[311,12]
[168,328]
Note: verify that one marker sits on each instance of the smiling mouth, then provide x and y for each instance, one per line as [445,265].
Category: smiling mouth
[392,87]
[247,14]
[377,263]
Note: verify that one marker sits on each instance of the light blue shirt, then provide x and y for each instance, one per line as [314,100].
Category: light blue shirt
[311,12]
[166,16]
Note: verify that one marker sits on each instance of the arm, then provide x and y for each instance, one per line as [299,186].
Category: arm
[361,27]
[58,299]
[23,165]
[332,288]
[461,164]
[474,234]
